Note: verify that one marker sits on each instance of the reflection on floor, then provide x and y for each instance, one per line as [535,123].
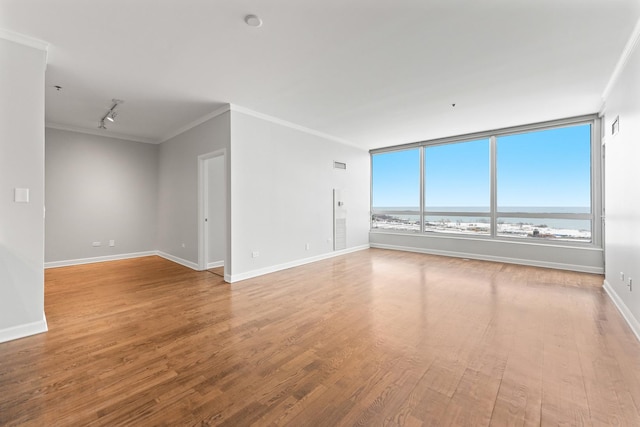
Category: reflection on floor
[218,270]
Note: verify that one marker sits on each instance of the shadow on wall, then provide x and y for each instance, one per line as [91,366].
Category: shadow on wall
[14,297]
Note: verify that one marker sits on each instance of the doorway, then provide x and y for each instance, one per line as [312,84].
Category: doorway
[212,217]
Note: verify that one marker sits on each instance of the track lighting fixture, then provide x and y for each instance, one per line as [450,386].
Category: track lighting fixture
[111,114]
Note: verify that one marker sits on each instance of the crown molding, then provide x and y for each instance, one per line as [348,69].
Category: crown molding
[622,62]
[266,117]
[218,112]
[100,133]
[23,39]
[215,113]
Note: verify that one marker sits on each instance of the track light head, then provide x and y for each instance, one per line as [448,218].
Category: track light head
[111,114]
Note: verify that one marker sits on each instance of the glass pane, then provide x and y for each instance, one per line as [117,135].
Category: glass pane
[547,209]
[545,171]
[395,222]
[571,230]
[456,177]
[396,180]
[457,225]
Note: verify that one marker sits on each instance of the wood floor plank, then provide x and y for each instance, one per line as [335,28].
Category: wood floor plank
[375,337]
[564,399]
[519,398]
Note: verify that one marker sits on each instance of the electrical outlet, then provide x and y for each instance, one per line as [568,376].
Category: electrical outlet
[112,243]
[255,254]
[96,244]
[621,276]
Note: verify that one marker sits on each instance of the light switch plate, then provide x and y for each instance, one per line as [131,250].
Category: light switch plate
[21,195]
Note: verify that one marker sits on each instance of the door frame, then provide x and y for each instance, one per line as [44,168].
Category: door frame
[203,206]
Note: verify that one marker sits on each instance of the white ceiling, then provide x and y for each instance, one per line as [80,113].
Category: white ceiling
[374,72]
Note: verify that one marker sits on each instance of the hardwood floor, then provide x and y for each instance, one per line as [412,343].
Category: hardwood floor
[371,338]
[217,270]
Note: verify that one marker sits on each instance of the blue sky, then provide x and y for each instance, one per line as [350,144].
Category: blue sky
[543,168]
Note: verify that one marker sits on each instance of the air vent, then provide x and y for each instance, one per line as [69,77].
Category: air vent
[339,165]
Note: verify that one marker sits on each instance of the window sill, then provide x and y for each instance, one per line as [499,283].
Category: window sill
[491,240]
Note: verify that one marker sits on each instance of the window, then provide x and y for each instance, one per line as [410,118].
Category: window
[544,184]
[395,198]
[457,188]
[534,183]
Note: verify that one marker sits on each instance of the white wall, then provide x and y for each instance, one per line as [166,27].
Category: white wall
[282,182]
[178,187]
[98,189]
[217,204]
[588,259]
[622,188]
[22,71]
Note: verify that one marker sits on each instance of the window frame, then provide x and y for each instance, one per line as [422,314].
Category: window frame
[399,212]
[594,216]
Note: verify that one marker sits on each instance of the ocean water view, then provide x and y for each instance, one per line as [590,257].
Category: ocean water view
[408,219]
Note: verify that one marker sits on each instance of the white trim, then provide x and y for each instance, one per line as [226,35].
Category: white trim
[215,264]
[21,331]
[177,260]
[281,122]
[23,39]
[272,269]
[218,112]
[80,261]
[203,227]
[98,132]
[623,309]
[512,241]
[622,62]
[520,261]
[215,113]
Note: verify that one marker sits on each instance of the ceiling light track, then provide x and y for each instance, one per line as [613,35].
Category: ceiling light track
[111,113]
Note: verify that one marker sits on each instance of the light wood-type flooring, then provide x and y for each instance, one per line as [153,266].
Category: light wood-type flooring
[371,338]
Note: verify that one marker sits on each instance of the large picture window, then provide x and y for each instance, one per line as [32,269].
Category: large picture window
[395,197]
[544,184]
[457,188]
[533,183]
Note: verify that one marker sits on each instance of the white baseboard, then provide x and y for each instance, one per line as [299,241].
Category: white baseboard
[177,260]
[533,263]
[272,269]
[227,277]
[623,309]
[21,331]
[81,261]
[165,255]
